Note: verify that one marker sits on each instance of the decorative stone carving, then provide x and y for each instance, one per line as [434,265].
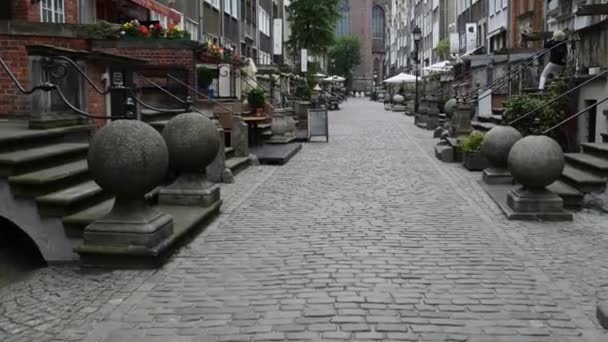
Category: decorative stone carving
[193,144]
[461,120]
[496,146]
[398,99]
[128,159]
[450,107]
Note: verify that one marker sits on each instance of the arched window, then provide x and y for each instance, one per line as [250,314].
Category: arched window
[378,22]
[343,24]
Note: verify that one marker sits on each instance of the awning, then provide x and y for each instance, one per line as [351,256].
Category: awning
[152,5]
[497,31]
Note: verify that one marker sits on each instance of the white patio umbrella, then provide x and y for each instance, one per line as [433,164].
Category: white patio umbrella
[443,66]
[401,78]
[335,78]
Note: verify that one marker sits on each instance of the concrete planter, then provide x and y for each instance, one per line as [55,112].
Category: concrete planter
[475,161]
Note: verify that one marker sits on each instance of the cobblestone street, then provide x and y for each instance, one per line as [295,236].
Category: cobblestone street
[368,237]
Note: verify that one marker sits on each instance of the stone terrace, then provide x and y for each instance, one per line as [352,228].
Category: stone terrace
[365,238]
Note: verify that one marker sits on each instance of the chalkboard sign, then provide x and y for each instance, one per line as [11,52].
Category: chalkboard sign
[318,125]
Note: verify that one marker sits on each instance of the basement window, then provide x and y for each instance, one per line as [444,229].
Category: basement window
[52,11]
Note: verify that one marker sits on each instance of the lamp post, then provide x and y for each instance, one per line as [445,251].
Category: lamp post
[375,85]
[417,35]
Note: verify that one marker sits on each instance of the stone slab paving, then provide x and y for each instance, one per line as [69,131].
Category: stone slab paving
[367,238]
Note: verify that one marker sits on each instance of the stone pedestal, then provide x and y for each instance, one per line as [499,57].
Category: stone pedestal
[461,120]
[283,127]
[193,144]
[432,112]
[130,223]
[421,116]
[190,189]
[240,137]
[497,176]
[216,171]
[534,201]
[301,111]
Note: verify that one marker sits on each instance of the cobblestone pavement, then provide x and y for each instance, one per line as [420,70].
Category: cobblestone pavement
[365,238]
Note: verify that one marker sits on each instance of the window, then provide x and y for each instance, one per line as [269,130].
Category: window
[264,21]
[343,24]
[228,6]
[163,20]
[192,28]
[214,3]
[235,9]
[52,11]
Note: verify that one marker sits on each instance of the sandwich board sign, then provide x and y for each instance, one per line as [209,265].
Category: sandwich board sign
[318,124]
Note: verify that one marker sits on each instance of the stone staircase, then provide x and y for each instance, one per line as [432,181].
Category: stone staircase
[585,172]
[45,175]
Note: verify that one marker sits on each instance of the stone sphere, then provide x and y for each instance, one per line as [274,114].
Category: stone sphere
[450,106]
[398,99]
[128,158]
[536,161]
[193,142]
[497,144]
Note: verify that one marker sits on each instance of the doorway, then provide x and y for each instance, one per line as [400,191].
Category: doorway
[591,120]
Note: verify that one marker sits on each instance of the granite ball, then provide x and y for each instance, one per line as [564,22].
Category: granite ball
[398,99]
[497,144]
[450,106]
[536,161]
[128,158]
[193,142]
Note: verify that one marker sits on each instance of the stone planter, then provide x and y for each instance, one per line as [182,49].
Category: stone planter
[475,161]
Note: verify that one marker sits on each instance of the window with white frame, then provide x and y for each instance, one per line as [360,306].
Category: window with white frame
[228,6]
[52,11]
[235,9]
[192,28]
[214,3]
[163,20]
[264,21]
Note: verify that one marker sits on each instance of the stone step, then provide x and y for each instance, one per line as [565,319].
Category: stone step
[229,152]
[70,200]
[594,164]
[16,136]
[498,110]
[482,126]
[18,162]
[573,199]
[49,180]
[582,181]
[264,126]
[597,149]
[237,164]
[148,115]
[75,224]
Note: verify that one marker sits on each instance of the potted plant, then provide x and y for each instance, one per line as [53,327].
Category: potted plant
[470,146]
[257,100]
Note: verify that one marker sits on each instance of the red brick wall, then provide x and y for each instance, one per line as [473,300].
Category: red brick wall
[182,58]
[13,52]
[96,104]
[26,11]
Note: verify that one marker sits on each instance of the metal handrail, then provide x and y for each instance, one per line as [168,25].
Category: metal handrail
[199,93]
[511,73]
[187,103]
[576,115]
[83,74]
[558,97]
[48,87]
[248,79]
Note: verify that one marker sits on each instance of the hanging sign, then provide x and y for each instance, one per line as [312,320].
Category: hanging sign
[304,60]
[278,37]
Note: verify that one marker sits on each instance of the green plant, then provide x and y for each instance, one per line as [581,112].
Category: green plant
[443,49]
[312,25]
[205,77]
[257,98]
[344,56]
[472,142]
[534,123]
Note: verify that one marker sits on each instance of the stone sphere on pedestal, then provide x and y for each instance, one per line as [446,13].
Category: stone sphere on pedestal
[398,99]
[128,158]
[536,161]
[450,106]
[497,144]
[193,142]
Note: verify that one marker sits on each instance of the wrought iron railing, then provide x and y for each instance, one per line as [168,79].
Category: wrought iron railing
[184,84]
